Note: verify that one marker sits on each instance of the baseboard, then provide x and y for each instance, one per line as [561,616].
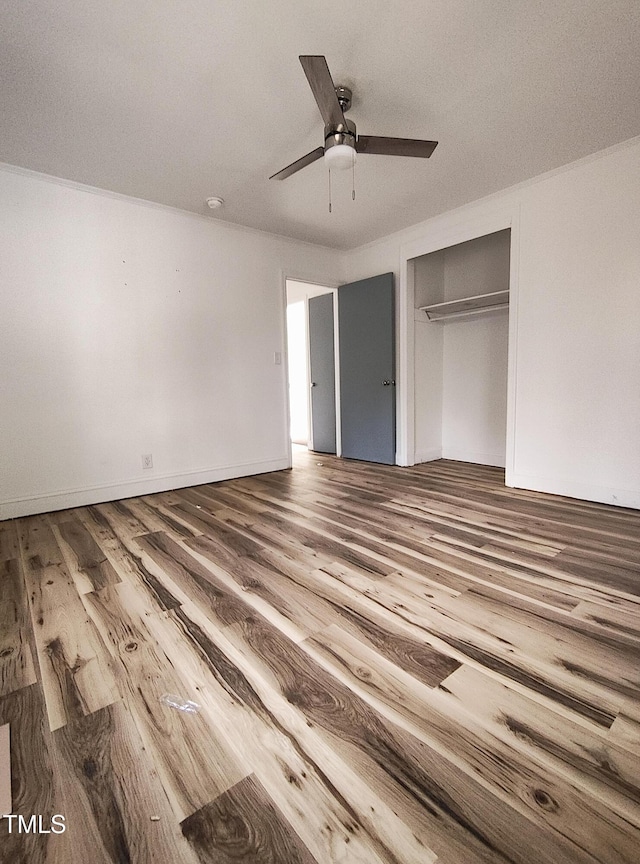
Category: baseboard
[493,459]
[576,489]
[428,455]
[82,497]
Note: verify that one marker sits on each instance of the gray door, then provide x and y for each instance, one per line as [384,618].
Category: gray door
[367,369]
[323,374]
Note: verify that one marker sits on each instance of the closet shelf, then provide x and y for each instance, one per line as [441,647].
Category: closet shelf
[466,306]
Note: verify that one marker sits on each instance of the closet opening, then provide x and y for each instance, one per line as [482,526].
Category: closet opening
[461,348]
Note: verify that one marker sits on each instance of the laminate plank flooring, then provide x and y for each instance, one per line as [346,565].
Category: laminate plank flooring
[77,677]
[88,564]
[16,662]
[9,546]
[35,783]
[112,790]
[381,665]
[244,824]
[195,763]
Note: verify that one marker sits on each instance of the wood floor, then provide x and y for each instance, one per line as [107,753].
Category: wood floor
[391,666]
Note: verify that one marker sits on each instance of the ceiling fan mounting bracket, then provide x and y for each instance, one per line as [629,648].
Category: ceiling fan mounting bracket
[344,95]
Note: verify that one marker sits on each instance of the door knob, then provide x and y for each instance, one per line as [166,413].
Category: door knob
[313,384]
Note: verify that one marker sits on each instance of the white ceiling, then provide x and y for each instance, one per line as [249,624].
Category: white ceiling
[174,102]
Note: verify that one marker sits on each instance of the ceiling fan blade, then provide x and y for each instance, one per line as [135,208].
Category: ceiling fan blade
[318,153]
[319,78]
[395,146]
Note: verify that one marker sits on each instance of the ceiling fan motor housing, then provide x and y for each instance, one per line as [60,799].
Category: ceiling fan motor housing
[342,134]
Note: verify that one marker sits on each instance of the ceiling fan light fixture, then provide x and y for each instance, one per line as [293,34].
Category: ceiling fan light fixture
[340,157]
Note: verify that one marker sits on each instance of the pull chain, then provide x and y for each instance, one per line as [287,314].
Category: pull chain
[329,190]
[353,180]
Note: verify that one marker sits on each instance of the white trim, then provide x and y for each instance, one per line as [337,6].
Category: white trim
[336,366]
[428,455]
[576,489]
[405,376]
[423,226]
[157,205]
[85,495]
[285,363]
[494,459]
[512,347]
[455,228]
[307,280]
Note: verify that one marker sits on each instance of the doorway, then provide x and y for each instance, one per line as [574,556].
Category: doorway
[341,364]
[312,357]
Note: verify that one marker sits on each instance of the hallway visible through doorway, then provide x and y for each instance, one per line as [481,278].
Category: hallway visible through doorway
[312,365]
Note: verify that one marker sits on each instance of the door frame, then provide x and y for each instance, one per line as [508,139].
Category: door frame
[450,232]
[328,287]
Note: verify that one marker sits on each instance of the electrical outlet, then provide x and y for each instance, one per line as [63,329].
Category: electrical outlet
[277,358]
[147,461]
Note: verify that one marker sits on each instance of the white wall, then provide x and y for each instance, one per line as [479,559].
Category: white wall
[574,392]
[126,329]
[297,360]
[474,388]
[578,384]
[477,266]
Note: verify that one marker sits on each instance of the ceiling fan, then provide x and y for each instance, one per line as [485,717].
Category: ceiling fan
[341,144]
